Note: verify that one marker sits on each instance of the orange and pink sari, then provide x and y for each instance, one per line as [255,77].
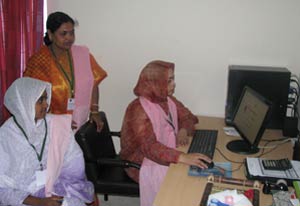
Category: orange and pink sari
[87,72]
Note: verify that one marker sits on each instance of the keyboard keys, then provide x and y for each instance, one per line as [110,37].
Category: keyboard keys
[204,141]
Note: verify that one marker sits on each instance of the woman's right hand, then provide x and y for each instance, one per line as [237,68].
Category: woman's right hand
[195,159]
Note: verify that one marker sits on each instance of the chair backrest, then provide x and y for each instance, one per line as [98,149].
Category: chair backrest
[103,166]
[93,143]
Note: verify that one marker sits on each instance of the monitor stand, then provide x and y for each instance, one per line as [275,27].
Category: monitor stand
[241,147]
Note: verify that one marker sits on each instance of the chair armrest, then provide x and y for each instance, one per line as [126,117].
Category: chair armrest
[114,162]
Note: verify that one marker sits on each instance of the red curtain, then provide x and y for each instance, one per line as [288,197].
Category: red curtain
[21,34]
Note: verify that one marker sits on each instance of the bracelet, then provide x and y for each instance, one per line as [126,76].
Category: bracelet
[95,105]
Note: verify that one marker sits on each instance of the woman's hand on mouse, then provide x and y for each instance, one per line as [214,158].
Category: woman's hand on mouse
[195,159]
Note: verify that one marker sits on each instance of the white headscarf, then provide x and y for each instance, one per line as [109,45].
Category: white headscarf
[21,97]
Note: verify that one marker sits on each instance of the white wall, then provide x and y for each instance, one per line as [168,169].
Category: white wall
[202,37]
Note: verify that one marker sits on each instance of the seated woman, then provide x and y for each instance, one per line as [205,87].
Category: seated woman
[153,125]
[41,164]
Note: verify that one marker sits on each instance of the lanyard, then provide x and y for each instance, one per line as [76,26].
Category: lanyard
[170,121]
[72,80]
[39,156]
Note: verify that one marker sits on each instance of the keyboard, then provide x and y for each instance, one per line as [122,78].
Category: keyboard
[204,141]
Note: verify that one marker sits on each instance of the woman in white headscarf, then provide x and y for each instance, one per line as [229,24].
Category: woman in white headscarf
[41,164]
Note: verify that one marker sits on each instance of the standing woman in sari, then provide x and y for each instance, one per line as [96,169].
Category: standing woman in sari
[72,71]
[154,124]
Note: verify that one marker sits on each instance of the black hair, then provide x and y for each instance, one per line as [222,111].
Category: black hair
[54,21]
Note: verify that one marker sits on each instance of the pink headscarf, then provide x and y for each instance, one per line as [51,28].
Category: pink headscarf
[153,81]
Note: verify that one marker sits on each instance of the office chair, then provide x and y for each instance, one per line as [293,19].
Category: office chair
[104,168]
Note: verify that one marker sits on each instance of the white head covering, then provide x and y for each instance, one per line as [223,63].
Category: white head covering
[21,97]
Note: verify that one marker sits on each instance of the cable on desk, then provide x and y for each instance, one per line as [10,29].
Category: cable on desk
[273,140]
[275,145]
[226,157]
[238,168]
[271,150]
[284,140]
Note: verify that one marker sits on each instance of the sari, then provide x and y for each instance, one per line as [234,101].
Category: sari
[87,72]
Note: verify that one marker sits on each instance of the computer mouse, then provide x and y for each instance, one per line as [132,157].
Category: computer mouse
[209,164]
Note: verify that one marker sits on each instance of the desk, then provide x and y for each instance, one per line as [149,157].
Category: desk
[179,189]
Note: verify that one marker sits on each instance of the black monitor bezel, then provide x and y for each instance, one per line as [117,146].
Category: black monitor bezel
[254,145]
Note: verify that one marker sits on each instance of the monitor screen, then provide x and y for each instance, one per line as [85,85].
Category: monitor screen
[250,120]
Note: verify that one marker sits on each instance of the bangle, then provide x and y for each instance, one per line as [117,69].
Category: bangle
[94,106]
[94,112]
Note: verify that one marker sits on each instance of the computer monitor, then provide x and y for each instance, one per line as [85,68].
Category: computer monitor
[271,82]
[250,119]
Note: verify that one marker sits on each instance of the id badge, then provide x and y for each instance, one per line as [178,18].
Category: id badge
[40,176]
[71,104]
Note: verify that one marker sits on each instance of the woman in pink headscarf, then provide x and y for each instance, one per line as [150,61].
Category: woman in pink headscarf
[155,122]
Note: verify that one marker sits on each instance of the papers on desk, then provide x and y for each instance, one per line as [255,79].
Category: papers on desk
[231,131]
[255,168]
